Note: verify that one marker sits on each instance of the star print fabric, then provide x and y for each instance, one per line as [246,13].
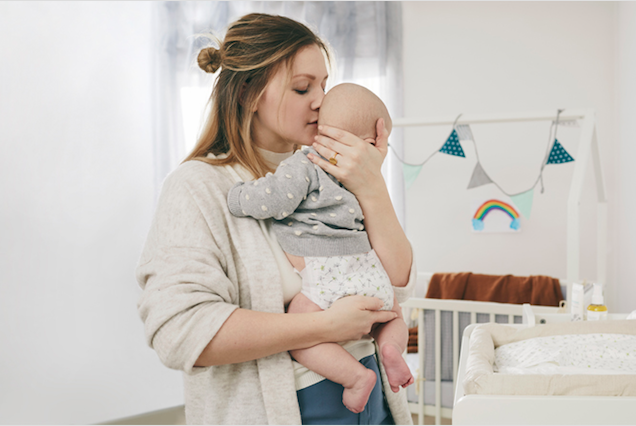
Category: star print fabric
[327,279]
[569,354]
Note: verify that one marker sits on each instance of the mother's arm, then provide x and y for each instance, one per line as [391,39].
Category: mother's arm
[248,335]
[189,304]
[358,169]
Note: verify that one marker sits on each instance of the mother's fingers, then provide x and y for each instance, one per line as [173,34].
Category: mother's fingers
[327,152]
[371,303]
[338,135]
[325,165]
[329,146]
[384,316]
[382,139]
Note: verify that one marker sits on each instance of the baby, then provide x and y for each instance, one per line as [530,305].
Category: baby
[319,225]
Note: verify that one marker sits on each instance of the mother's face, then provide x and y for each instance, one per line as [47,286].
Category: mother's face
[287,113]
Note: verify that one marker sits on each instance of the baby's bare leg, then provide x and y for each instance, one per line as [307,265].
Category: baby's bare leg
[392,338]
[330,360]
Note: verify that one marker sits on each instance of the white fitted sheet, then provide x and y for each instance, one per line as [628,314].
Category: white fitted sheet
[596,353]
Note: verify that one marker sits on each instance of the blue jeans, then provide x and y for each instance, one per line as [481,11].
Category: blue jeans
[321,403]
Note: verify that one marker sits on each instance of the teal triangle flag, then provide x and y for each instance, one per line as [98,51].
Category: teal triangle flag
[523,202]
[558,154]
[410,173]
[452,146]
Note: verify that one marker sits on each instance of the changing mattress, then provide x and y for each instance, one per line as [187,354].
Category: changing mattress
[553,358]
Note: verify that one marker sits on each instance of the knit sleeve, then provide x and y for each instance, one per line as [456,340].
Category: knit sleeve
[185,276]
[404,293]
[275,195]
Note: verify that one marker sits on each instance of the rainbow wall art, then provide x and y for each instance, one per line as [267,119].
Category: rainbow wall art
[489,206]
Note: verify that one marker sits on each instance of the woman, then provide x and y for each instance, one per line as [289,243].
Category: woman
[215,286]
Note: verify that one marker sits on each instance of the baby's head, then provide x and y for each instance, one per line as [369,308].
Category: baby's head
[355,109]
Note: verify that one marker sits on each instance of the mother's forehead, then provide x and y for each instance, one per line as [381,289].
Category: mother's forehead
[309,57]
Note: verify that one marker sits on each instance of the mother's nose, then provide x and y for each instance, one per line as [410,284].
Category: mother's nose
[317,101]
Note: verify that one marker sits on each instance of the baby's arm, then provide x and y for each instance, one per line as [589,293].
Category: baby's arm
[275,195]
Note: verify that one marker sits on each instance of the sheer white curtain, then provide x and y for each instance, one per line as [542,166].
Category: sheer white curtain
[366,38]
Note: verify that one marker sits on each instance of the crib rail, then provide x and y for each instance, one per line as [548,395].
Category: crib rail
[455,306]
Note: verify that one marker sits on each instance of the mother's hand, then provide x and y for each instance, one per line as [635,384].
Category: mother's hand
[351,317]
[358,162]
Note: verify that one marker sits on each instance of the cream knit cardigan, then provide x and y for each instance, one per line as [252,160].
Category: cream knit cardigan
[198,265]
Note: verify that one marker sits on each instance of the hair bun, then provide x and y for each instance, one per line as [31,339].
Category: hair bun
[209,59]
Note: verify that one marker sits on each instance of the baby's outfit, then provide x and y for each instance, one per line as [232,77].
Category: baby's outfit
[327,279]
[317,218]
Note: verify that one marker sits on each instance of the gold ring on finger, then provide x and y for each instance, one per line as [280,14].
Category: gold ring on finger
[333,160]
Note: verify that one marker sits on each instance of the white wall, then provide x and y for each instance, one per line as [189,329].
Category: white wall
[77,198]
[625,155]
[488,57]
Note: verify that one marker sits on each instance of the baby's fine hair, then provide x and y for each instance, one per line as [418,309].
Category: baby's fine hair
[354,108]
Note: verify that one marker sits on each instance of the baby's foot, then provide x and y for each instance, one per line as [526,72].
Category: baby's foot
[397,371]
[355,397]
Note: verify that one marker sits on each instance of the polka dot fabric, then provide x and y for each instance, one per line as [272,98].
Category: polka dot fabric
[452,146]
[314,215]
[558,154]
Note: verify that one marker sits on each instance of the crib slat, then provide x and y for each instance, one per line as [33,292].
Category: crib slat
[438,367]
[492,317]
[511,319]
[455,347]
[420,376]
[473,317]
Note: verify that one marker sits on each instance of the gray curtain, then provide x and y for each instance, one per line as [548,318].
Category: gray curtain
[365,36]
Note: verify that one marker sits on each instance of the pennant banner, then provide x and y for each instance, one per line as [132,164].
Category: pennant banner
[479,177]
[452,146]
[464,133]
[523,202]
[410,173]
[558,154]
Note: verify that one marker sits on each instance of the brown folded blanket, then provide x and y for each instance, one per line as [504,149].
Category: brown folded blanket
[536,289]
[411,347]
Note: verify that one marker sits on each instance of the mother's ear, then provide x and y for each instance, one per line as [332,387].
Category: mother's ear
[242,94]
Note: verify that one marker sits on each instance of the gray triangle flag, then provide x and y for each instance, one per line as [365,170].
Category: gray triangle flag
[479,177]
[464,133]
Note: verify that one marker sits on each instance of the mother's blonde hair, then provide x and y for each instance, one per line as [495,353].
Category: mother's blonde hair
[254,48]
